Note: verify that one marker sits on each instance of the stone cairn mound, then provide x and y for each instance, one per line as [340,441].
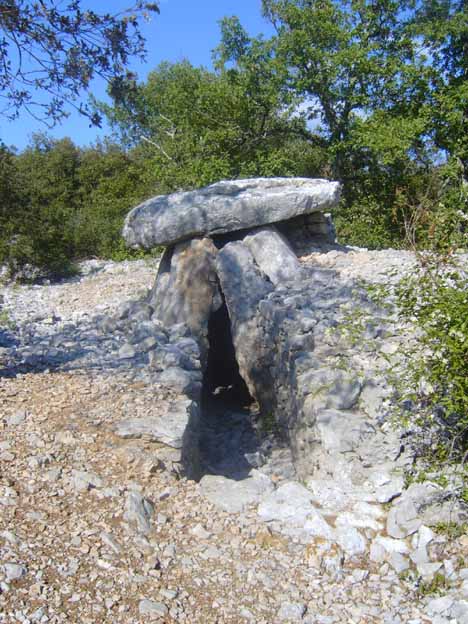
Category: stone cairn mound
[252,321]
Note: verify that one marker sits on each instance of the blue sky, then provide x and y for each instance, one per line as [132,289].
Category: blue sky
[184,29]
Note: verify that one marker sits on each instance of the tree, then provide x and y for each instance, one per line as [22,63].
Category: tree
[110,184]
[383,86]
[56,48]
[44,225]
[348,58]
[443,25]
[10,199]
[195,126]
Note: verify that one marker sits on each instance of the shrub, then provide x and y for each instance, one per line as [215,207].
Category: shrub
[435,296]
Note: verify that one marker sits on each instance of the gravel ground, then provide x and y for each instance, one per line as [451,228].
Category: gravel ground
[96,529]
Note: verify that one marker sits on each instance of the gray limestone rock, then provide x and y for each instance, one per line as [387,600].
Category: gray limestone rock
[138,511]
[17,418]
[183,382]
[331,388]
[186,290]
[422,503]
[273,255]
[350,540]
[178,429]
[126,351]
[14,571]
[151,609]
[340,431]
[170,355]
[226,206]
[244,286]
[166,428]
[84,481]
[235,496]
[291,612]
[306,230]
[291,504]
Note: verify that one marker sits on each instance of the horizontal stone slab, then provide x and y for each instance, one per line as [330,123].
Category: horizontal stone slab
[226,206]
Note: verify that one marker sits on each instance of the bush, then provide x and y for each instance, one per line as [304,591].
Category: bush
[365,224]
[60,203]
[436,297]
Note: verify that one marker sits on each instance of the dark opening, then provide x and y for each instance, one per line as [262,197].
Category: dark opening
[223,381]
[230,237]
[228,437]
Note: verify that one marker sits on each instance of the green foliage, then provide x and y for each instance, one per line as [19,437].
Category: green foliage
[193,127]
[351,60]
[5,320]
[430,377]
[61,203]
[366,224]
[436,297]
[453,530]
[438,585]
[49,185]
[385,88]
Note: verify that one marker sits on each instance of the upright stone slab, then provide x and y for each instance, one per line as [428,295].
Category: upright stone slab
[273,255]
[244,286]
[226,206]
[186,289]
[306,231]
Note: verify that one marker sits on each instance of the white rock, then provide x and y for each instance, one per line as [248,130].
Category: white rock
[428,569]
[200,532]
[235,496]
[350,540]
[460,611]
[402,519]
[392,545]
[441,605]
[419,556]
[360,521]
[139,511]
[14,571]
[291,502]
[152,609]
[291,612]
[425,536]
[398,562]
[84,481]
[17,418]
[168,428]
[329,495]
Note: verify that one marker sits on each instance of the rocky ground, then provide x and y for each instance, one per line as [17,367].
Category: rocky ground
[100,527]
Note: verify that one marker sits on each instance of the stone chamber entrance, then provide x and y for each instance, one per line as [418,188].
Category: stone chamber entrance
[228,438]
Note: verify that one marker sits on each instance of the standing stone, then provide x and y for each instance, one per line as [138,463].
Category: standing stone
[226,206]
[273,255]
[186,289]
[308,230]
[244,286]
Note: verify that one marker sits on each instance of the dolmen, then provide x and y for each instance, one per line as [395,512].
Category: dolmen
[229,273]
[236,300]
[229,241]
